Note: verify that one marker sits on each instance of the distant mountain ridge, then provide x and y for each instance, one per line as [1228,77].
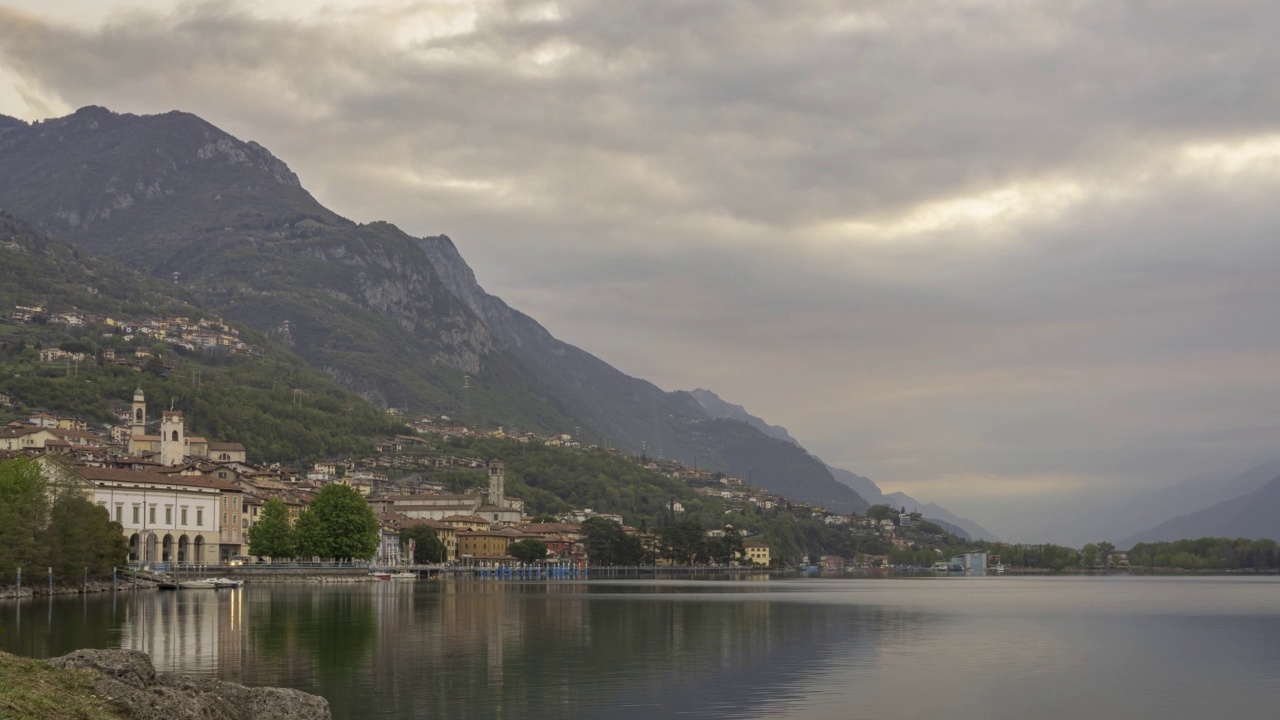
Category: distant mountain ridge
[962,527]
[1115,519]
[397,319]
[1255,515]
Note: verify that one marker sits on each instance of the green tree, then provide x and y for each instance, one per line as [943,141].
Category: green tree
[1089,555]
[427,547]
[684,541]
[24,514]
[272,535]
[1105,550]
[528,550]
[881,512]
[726,549]
[340,525]
[309,536]
[608,544]
[81,537]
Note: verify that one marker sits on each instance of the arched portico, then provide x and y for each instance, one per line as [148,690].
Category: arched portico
[135,547]
[184,549]
[167,549]
[150,555]
[198,555]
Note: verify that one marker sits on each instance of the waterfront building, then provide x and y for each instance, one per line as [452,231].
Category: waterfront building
[757,551]
[166,518]
[484,547]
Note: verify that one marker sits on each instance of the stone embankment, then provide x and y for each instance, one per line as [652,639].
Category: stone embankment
[128,681]
[10,592]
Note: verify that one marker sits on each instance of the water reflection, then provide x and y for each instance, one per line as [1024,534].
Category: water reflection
[480,649]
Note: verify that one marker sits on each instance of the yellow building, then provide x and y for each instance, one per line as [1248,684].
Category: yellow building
[483,547]
[757,552]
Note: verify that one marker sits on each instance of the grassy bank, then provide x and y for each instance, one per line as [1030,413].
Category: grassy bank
[34,690]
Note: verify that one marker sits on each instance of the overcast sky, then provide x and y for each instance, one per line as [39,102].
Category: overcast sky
[1005,256]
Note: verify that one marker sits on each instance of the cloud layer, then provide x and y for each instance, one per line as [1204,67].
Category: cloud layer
[1000,255]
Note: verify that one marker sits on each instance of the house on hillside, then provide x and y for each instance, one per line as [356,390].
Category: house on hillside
[757,551]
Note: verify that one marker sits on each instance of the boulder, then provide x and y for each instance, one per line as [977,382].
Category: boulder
[128,680]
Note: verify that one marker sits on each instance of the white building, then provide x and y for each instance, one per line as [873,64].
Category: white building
[167,518]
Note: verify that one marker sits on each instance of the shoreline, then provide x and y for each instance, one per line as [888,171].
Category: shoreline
[118,683]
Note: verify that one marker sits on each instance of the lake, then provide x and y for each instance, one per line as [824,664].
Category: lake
[969,648]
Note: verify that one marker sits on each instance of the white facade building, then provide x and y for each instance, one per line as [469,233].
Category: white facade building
[167,519]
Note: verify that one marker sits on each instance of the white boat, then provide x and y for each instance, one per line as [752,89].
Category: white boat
[197,585]
[404,576]
[221,583]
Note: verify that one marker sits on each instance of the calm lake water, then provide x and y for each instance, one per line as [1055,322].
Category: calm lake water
[972,648]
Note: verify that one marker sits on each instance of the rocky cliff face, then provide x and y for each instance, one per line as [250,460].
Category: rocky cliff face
[130,683]
[635,414]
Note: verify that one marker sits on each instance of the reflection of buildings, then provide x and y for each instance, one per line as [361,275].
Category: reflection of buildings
[193,631]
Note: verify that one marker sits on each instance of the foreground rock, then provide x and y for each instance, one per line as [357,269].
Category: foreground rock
[128,680]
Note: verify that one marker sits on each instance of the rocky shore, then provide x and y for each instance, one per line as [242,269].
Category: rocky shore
[39,589]
[126,681]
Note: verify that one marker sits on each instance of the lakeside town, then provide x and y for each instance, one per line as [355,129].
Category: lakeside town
[183,499]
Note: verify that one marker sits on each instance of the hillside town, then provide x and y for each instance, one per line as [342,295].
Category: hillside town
[181,333]
[181,498]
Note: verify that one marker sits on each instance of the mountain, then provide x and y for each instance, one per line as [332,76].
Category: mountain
[718,407]
[246,398]
[398,320]
[636,412]
[865,487]
[1255,515]
[174,197]
[1115,518]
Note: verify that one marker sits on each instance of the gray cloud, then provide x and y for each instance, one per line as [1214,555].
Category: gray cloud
[998,254]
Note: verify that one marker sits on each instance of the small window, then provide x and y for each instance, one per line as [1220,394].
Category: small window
[184,516]
[168,516]
[200,517]
[120,514]
[136,513]
[151,516]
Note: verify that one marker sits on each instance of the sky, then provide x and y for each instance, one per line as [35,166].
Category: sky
[1015,258]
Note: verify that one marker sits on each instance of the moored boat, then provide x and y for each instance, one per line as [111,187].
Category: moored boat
[221,583]
[404,576]
[197,585]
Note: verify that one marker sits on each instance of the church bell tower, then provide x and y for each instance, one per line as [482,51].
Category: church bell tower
[138,414]
[173,438]
[497,483]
